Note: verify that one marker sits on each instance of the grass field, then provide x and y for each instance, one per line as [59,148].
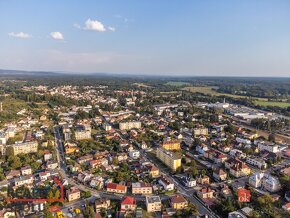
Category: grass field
[273,103]
[210,90]
[142,85]
[172,83]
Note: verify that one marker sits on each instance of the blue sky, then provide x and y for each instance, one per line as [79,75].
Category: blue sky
[166,37]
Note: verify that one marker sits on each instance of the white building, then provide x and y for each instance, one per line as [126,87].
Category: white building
[264,181]
[129,125]
[258,162]
[166,183]
[134,154]
[271,184]
[255,180]
[268,146]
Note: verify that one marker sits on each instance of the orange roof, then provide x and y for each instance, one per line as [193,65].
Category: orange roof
[116,186]
[129,200]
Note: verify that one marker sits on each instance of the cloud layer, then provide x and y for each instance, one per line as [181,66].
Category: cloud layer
[94,25]
[21,35]
[57,35]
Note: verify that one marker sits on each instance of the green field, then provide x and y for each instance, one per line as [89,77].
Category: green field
[172,83]
[210,90]
[273,103]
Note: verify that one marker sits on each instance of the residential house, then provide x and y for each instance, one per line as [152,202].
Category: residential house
[205,193]
[102,203]
[24,180]
[128,204]
[116,188]
[73,194]
[43,176]
[203,179]
[215,156]
[26,171]
[167,184]
[51,164]
[237,167]
[85,159]
[12,174]
[135,154]
[141,188]
[265,181]
[188,181]
[219,174]
[154,171]
[153,204]
[258,162]
[178,202]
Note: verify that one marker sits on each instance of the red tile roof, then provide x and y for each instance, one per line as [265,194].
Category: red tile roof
[129,200]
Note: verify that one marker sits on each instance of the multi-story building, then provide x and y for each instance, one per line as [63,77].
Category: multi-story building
[128,204]
[135,154]
[129,125]
[220,174]
[265,181]
[102,203]
[154,171]
[26,171]
[200,131]
[178,202]
[83,132]
[205,193]
[24,148]
[171,144]
[170,159]
[141,188]
[216,156]
[260,163]
[116,188]
[271,183]
[73,194]
[268,146]
[237,167]
[167,184]
[153,203]
[25,180]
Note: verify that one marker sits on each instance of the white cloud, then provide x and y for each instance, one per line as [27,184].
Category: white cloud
[113,29]
[19,35]
[94,25]
[57,35]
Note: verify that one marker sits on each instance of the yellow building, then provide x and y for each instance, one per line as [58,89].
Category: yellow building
[73,194]
[178,202]
[141,188]
[154,171]
[170,159]
[171,144]
[25,148]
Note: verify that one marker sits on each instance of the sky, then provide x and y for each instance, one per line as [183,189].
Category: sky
[155,37]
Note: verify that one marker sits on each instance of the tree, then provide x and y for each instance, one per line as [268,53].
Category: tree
[271,137]
[115,161]
[9,151]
